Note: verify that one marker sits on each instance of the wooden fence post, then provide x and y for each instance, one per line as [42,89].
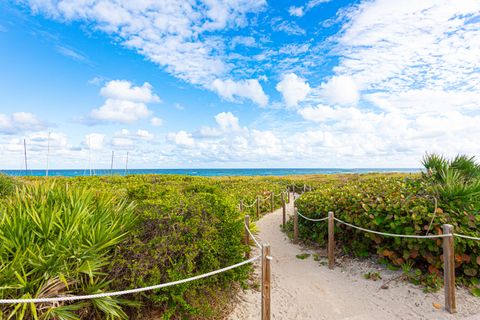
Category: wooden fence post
[331,240]
[449,269]
[284,212]
[295,225]
[258,207]
[241,206]
[288,195]
[304,188]
[266,281]
[247,235]
[272,200]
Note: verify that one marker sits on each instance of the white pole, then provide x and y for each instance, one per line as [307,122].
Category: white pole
[126,165]
[111,164]
[25,154]
[48,152]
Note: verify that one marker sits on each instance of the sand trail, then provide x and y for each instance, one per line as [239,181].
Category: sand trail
[307,289]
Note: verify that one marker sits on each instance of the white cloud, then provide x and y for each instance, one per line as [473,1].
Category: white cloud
[289,27]
[125,102]
[208,132]
[174,34]
[120,111]
[156,122]
[302,10]
[125,138]
[244,41]
[296,11]
[181,138]
[250,89]
[94,141]
[125,90]
[293,89]
[227,121]
[341,90]
[71,53]
[18,122]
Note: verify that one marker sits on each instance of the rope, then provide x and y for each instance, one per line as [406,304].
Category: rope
[119,293]
[392,234]
[253,237]
[254,202]
[466,237]
[310,219]
[265,198]
[434,215]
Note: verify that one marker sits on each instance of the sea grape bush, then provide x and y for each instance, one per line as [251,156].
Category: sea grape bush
[399,205]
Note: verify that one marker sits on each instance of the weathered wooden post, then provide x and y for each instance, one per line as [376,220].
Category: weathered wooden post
[247,235]
[284,212]
[266,274]
[449,269]
[258,207]
[272,201]
[288,195]
[295,225]
[331,240]
[304,188]
[241,206]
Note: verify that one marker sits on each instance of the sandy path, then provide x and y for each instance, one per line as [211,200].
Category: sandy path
[307,289]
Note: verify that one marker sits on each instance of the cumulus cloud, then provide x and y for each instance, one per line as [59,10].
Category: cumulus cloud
[293,89]
[341,90]
[18,122]
[181,138]
[227,121]
[125,90]
[120,111]
[249,89]
[125,138]
[125,102]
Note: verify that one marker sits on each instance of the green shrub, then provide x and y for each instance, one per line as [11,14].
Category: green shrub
[56,240]
[185,226]
[392,205]
[7,185]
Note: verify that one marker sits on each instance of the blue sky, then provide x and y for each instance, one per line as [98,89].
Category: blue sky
[238,83]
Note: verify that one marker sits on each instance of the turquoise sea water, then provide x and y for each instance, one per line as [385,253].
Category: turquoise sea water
[204,172]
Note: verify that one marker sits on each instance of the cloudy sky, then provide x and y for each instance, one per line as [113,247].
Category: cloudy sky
[238,83]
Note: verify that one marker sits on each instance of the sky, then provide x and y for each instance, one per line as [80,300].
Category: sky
[238,83]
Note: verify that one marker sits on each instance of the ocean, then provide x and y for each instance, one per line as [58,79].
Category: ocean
[205,172]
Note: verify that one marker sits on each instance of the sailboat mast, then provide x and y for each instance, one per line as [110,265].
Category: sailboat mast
[126,165]
[25,154]
[111,164]
[48,153]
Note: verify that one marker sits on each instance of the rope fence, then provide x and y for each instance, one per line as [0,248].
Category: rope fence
[265,257]
[448,248]
[130,291]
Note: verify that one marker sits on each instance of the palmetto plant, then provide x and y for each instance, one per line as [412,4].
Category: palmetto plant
[55,241]
[456,180]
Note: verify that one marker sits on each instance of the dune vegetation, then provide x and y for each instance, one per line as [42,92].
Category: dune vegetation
[446,192]
[85,235]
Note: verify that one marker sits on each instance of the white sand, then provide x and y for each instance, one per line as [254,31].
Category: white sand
[307,289]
